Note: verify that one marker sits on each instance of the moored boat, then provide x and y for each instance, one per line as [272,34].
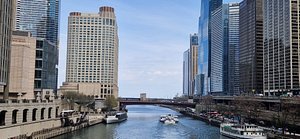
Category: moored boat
[242,131]
[116,117]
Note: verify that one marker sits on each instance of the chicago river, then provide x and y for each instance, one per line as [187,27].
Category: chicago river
[143,123]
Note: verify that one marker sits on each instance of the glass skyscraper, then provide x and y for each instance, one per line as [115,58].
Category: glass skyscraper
[204,32]
[224,50]
[219,50]
[251,46]
[186,72]
[40,17]
[233,49]
[190,67]
[193,62]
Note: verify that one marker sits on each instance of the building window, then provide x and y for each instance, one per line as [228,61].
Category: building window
[38,64]
[39,44]
[37,84]
[38,74]
[39,54]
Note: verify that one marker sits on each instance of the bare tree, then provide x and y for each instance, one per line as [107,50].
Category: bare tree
[246,108]
[111,102]
[73,97]
[207,102]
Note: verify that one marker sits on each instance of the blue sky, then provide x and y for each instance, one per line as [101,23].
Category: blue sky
[153,34]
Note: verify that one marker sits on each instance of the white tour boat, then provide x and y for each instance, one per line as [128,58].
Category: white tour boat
[169,119]
[115,118]
[244,131]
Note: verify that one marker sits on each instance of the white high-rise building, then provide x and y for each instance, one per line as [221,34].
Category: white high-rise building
[186,72]
[92,55]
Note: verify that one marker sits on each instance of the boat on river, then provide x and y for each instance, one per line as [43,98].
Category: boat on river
[169,119]
[242,131]
[115,117]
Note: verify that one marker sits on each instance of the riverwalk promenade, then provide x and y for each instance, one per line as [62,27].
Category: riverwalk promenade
[38,119]
[216,121]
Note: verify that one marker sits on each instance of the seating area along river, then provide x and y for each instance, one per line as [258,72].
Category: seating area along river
[143,123]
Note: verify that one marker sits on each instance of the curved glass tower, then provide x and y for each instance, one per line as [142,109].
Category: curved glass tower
[204,32]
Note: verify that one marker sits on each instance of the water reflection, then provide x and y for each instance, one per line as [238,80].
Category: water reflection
[143,123]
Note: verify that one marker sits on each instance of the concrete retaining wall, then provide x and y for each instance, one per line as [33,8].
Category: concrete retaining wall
[28,129]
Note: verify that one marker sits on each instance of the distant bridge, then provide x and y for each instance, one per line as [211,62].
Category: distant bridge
[268,101]
[153,101]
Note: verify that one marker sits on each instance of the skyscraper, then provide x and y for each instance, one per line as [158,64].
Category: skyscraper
[194,62]
[41,19]
[281,46]
[204,33]
[92,55]
[224,50]
[190,67]
[219,50]
[251,46]
[233,49]
[6,26]
[186,72]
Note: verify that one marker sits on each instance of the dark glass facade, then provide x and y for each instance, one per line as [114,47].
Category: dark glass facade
[207,6]
[40,17]
[45,66]
[281,46]
[251,46]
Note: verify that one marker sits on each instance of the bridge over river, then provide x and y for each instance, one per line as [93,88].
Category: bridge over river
[267,101]
[154,101]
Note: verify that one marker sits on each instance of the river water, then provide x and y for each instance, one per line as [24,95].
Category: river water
[143,123]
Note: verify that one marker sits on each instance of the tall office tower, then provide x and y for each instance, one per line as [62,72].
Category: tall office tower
[92,55]
[194,62]
[251,46]
[219,50]
[224,50]
[204,33]
[281,46]
[186,72]
[41,19]
[6,25]
[22,65]
[233,49]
